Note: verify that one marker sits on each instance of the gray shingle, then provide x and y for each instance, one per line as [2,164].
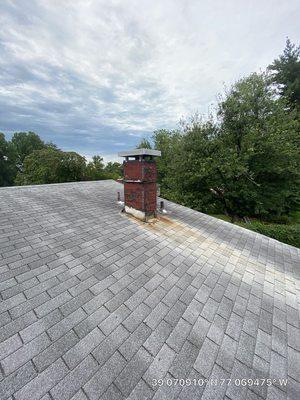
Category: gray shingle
[179,335]
[63,326]
[17,325]
[40,326]
[226,354]
[75,303]
[136,317]
[217,329]
[17,380]
[237,391]
[50,305]
[40,385]
[73,381]
[55,350]
[134,341]
[112,393]
[136,299]
[157,338]
[98,384]
[293,364]
[199,331]
[184,361]
[97,301]
[279,341]
[194,391]
[156,315]
[111,276]
[133,371]
[216,391]
[160,365]
[81,349]
[278,367]
[12,302]
[175,313]
[114,319]
[245,349]
[118,299]
[141,392]
[9,346]
[29,305]
[25,353]
[206,358]
[112,342]
[234,327]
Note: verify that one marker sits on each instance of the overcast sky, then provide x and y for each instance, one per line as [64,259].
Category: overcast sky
[95,76]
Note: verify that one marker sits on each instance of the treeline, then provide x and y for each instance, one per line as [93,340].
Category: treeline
[27,159]
[243,161]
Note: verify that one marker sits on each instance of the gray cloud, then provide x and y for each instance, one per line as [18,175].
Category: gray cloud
[94,76]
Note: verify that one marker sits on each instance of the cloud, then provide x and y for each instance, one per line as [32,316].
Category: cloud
[95,76]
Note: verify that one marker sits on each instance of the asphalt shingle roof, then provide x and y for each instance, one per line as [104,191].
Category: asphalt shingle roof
[95,304]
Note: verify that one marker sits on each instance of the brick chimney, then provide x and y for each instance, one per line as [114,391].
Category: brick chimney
[140,175]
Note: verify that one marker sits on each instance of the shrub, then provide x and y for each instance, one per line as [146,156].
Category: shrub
[289,234]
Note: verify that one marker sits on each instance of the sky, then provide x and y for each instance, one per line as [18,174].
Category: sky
[96,76]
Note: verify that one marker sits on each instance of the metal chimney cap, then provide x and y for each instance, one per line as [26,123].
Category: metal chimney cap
[140,152]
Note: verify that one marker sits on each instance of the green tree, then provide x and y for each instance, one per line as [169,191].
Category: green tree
[144,144]
[286,73]
[24,144]
[244,164]
[51,166]
[95,169]
[257,157]
[113,170]
[168,142]
[7,162]
[72,166]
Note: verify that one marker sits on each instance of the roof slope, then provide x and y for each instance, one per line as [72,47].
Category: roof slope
[95,304]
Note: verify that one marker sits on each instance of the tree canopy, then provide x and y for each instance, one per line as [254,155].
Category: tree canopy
[247,161]
[286,73]
[27,159]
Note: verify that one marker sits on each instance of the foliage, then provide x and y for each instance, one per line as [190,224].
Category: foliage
[114,170]
[24,144]
[7,162]
[169,144]
[27,159]
[50,165]
[286,73]
[144,144]
[245,164]
[95,169]
[257,157]
[289,234]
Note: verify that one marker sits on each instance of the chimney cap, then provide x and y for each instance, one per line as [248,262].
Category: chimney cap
[140,152]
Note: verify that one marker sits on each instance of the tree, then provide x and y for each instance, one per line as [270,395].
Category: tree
[168,142]
[257,158]
[113,170]
[51,166]
[286,73]
[7,162]
[95,169]
[144,144]
[72,166]
[245,164]
[24,144]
